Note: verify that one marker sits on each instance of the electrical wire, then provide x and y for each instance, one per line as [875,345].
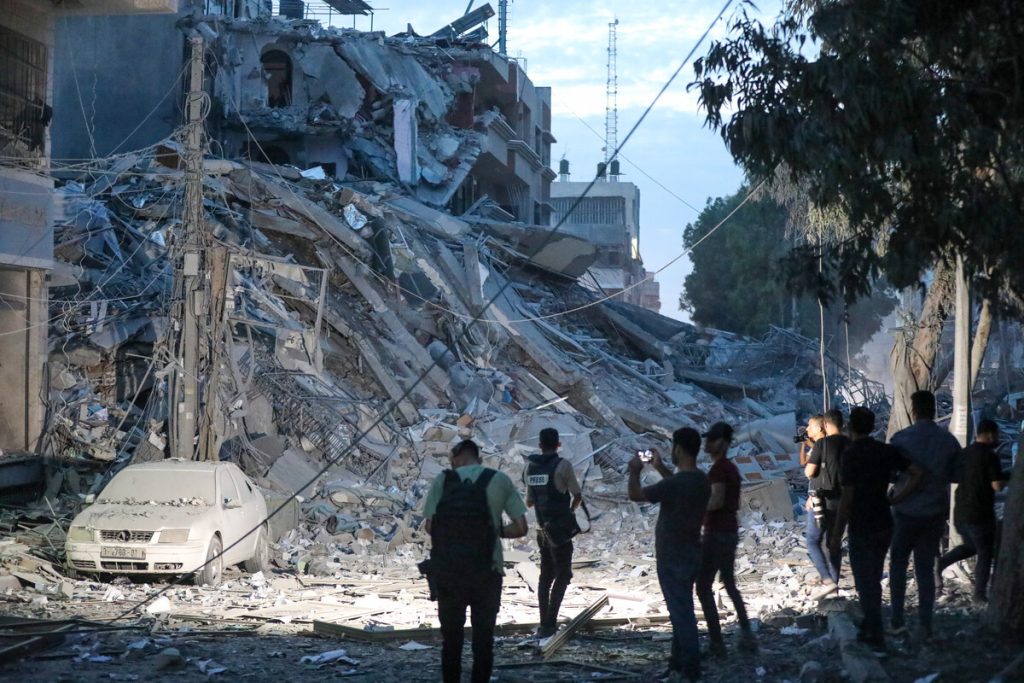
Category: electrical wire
[423,375]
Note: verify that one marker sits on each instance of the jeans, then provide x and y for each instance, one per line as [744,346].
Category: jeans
[867,563]
[718,556]
[817,536]
[980,540]
[555,573]
[677,572]
[482,594]
[920,536]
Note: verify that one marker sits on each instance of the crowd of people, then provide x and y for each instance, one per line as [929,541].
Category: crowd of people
[886,499]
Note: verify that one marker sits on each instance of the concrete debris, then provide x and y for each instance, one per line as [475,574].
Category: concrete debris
[350,363]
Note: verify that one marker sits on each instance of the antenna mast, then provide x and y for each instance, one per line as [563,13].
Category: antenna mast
[611,116]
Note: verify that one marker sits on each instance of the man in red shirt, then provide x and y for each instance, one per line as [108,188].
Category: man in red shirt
[721,536]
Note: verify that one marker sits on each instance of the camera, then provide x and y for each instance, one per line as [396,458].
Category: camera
[645,456]
[801,435]
[817,505]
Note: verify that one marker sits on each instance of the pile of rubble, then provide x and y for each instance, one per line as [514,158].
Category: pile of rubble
[339,297]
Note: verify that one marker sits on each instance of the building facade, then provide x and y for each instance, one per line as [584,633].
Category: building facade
[609,218]
[27,60]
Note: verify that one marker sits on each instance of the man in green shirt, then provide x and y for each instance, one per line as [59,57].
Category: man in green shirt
[456,526]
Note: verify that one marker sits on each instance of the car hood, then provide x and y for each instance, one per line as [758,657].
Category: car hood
[148,517]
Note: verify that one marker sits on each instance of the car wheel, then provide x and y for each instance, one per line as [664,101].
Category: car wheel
[212,571]
[260,561]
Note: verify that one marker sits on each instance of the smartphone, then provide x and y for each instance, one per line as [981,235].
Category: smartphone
[645,456]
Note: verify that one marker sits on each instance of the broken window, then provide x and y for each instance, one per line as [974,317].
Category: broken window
[24,114]
[278,67]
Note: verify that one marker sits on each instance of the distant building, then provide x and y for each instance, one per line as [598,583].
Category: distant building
[27,64]
[650,293]
[609,218]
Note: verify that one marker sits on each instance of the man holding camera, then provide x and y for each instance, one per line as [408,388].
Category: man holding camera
[822,471]
[550,484]
[810,435]
[683,496]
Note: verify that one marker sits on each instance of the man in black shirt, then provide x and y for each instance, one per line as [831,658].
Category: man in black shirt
[822,470]
[868,467]
[974,513]
[684,498]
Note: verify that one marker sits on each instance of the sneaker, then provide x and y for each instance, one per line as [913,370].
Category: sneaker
[827,589]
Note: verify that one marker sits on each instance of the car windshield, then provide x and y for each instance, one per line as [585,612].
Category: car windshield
[163,486]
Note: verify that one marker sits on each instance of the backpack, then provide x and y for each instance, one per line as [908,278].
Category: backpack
[831,464]
[462,533]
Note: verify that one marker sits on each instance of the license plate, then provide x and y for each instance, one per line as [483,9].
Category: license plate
[123,553]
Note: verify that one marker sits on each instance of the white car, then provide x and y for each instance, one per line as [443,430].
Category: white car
[170,517]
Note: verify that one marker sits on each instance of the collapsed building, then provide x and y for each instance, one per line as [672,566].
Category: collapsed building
[405,274]
[386,283]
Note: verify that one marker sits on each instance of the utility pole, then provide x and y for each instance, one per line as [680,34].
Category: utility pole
[611,95]
[959,423]
[190,288]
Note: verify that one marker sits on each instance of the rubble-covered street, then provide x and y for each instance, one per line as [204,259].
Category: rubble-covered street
[344,255]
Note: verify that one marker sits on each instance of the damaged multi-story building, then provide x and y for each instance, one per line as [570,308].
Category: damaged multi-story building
[460,124]
[606,213]
[27,30]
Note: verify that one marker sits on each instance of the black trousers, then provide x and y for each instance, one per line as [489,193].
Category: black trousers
[980,540]
[718,556]
[555,574]
[482,595]
[867,562]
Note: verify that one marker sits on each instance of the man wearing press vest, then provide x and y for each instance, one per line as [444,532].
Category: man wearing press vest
[554,492]
[463,514]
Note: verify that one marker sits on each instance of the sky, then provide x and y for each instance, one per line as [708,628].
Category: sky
[564,45]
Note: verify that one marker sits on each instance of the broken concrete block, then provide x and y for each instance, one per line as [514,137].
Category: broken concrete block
[292,472]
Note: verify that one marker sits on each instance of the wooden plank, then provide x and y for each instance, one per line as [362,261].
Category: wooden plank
[555,642]
[328,628]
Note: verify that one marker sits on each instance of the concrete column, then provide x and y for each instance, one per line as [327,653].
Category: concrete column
[23,329]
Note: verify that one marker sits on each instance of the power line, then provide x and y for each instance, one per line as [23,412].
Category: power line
[464,332]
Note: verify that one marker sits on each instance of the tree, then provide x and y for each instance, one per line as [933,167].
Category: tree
[739,283]
[909,115]
[735,281]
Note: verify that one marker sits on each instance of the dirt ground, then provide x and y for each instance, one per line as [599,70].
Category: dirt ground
[960,650]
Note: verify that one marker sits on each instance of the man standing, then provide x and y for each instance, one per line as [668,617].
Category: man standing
[822,471]
[550,483]
[463,514]
[814,432]
[867,469]
[721,536]
[683,497]
[974,514]
[919,521]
